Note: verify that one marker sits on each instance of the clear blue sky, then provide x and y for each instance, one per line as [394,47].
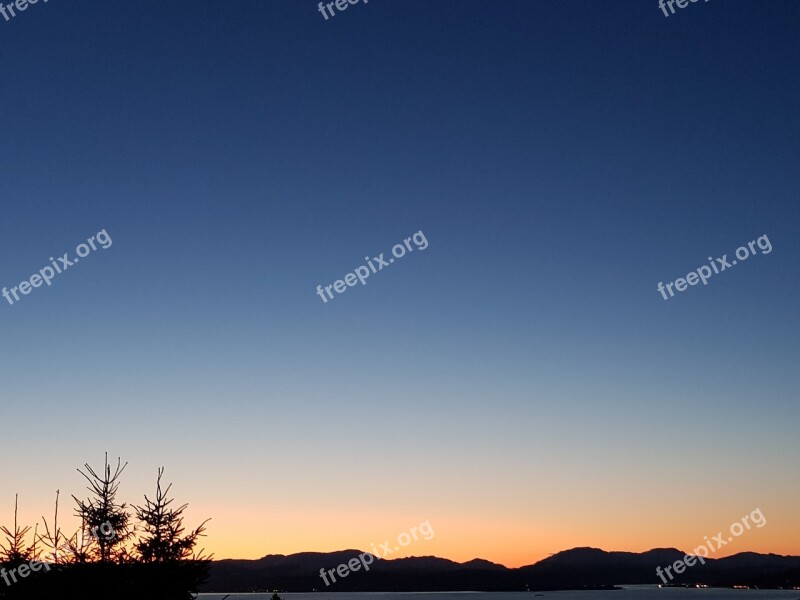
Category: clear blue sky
[562,158]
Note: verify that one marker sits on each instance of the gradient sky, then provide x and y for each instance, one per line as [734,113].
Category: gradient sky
[520,384]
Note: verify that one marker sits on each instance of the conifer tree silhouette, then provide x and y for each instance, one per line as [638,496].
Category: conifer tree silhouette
[107,558]
[102,511]
[15,551]
[163,539]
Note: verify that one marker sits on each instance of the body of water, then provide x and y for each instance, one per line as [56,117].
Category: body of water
[637,592]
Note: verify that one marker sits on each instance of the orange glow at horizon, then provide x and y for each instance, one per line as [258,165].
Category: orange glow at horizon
[251,534]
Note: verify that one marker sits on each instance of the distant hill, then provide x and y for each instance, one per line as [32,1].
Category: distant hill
[578,568]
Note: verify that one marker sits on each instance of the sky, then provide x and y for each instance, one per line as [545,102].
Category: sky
[520,383]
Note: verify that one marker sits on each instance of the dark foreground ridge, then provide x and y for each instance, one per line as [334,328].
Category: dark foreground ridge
[579,568]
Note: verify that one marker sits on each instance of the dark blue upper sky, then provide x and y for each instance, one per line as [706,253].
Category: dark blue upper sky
[562,159]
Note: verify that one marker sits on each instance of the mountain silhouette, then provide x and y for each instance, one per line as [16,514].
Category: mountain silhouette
[578,568]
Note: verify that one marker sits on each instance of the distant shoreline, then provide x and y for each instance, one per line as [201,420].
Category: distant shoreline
[576,569]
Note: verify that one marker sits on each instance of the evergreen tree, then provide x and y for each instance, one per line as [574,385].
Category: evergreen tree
[103,511]
[163,539]
[15,551]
